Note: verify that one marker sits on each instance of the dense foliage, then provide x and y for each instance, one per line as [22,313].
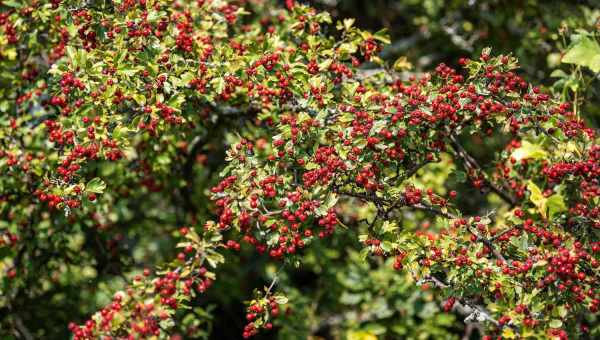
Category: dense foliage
[169,166]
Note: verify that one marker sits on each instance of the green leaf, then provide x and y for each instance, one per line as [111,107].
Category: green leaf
[555,204]
[387,246]
[167,323]
[350,89]
[536,194]
[562,311]
[163,159]
[324,65]
[187,77]
[330,201]
[280,299]
[558,73]
[153,16]
[82,57]
[382,36]
[72,54]
[536,197]
[350,299]
[402,64]
[324,17]
[364,253]
[214,259]
[348,48]
[508,333]
[95,185]
[348,23]
[585,52]
[10,53]
[175,101]
[218,84]
[12,3]
[84,110]
[389,227]
[120,132]
[459,176]
[529,150]
[129,72]
[139,98]
[360,335]
[548,207]
[555,323]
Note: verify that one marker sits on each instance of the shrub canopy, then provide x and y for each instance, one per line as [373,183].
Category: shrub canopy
[261,140]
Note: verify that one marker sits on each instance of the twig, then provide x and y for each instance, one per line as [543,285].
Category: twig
[488,243]
[23,329]
[475,311]
[274,280]
[431,209]
[502,233]
[471,163]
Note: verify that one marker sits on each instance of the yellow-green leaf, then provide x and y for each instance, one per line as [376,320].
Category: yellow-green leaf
[95,185]
[585,52]
[529,150]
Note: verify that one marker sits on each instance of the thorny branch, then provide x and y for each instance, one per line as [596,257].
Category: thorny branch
[475,313]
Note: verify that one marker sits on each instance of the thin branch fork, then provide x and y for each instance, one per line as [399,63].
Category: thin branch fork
[490,245]
[411,171]
[381,202]
[275,279]
[473,310]
[480,238]
[471,163]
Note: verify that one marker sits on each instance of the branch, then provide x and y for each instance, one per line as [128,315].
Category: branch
[428,208]
[503,233]
[474,312]
[363,196]
[25,332]
[399,203]
[437,282]
[490,245]
[471,163]
[425,207]
[410,172]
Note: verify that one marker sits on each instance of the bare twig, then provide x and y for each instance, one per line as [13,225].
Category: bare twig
[25,332]
[471,163]
[274,280]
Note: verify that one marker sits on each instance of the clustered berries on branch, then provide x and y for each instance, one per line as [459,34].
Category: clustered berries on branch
[337,134]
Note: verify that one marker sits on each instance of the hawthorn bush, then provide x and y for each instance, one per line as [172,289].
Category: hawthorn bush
[538,33]
[117,114]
